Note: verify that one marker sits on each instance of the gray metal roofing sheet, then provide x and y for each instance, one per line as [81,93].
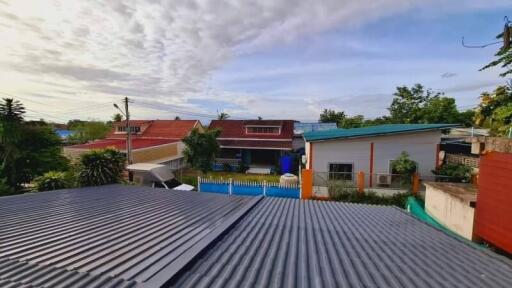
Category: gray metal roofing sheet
[108,236]
[297,243]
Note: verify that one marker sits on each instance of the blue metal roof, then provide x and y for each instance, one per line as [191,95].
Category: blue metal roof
[373,131]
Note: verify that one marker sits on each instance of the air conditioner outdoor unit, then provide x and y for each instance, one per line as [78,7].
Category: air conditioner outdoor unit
[384,180]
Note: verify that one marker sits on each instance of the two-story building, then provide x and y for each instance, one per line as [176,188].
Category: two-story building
[257,144]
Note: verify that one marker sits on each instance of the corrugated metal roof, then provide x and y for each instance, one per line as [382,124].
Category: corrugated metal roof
[297,243]
[110,236]
[126,236]
[372,131]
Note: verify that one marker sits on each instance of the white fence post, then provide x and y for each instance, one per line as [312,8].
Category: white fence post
[230,187]
[198,183]
[264,187]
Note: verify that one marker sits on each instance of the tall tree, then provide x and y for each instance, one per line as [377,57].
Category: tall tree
[329,115]
[407,103]
[352,122]
[201,149]
[11,120]
[495,111]
[223,116]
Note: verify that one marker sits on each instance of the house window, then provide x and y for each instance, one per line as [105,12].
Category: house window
[263,130]
[134,129]
[341,171]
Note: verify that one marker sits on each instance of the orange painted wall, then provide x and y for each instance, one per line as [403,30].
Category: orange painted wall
[494,200]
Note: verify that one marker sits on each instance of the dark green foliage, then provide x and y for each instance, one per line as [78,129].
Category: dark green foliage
[405,167]
[190,180]
[39,152]
[329,115]
[504,58]
[414,105]
[201,149]
[226,167]
[27,149]
[223,116]
[456,172]
[5,189]
[11,110]
[495,111]
[52,180]
[370,197]
[407,103]
[100,167]
[117,117]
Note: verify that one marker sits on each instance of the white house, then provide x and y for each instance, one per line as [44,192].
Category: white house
[372,149]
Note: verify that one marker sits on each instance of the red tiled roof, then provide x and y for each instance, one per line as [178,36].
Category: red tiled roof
[158,132]
[120,144]
[173,129]
[281,145]
[236,128]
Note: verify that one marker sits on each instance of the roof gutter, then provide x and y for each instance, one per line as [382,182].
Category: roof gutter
[379,134]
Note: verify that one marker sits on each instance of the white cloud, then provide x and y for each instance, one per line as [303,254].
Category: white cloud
[151,50]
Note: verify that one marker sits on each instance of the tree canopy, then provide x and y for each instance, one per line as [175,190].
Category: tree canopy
[410,105]
[201,149]
[495,110]
[84,131]
[504,54]
[223,116]
[27,148]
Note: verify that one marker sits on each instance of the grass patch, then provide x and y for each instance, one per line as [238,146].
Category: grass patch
[190,173]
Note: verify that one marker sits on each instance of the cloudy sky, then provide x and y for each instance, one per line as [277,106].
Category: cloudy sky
[271,58]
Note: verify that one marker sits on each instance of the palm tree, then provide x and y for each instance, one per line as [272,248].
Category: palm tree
[223,116]
[100,167]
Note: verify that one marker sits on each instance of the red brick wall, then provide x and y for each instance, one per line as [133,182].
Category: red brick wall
[494,202]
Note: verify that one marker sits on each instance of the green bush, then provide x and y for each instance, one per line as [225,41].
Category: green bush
[52,180]
[101,167]
[190,180]
[345,191]
[5,189]
[371,197]
[457,172]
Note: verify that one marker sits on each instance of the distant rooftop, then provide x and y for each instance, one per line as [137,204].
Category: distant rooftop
[300,128]
[129,236]
[373,131]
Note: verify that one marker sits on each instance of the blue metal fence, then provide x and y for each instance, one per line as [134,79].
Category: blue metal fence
[248,188]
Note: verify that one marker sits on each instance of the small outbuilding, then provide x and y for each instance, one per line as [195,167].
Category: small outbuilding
[453,206]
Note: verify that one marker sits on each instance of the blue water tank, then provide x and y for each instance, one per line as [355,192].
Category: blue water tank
[286,164]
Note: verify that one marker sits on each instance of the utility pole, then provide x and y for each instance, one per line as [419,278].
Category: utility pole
[128,132]
[126,114]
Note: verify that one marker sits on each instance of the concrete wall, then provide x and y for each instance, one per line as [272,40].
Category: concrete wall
[140,155]
[453,212]
[421,146]
[155,153]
